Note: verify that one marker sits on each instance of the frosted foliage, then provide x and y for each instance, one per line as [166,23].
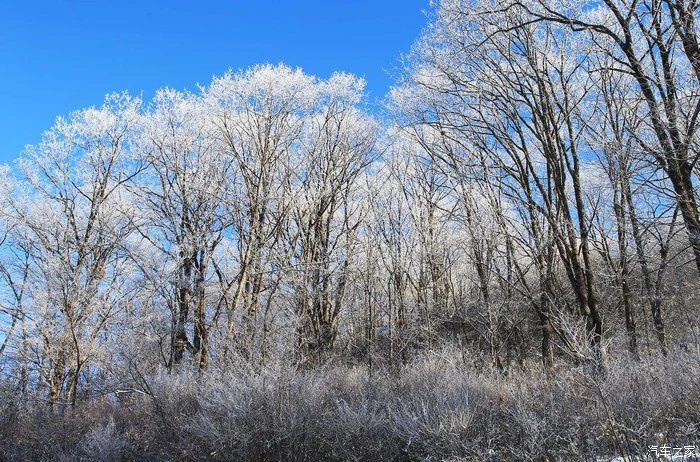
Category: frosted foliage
[264,88]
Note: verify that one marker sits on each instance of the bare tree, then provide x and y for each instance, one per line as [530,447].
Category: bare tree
[502,107]
[655,42]
[335,147]
[183,198]
[614,130]
[69,219]
[258,115]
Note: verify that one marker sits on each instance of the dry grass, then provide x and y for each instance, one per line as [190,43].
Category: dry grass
[437,408]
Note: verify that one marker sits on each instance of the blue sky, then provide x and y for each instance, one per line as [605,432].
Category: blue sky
[58,56]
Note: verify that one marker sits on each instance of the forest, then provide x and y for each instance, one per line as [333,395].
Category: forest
[501,263]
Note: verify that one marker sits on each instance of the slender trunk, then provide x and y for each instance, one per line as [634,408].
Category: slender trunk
[630,326]
[201,332]
[654,301]
[181,340]
[673,156]
[55,379]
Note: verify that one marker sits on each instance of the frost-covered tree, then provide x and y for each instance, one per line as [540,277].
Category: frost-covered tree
[496,101]
[335,146]
[67,216]
[183,198]
[655,43]
[257,116]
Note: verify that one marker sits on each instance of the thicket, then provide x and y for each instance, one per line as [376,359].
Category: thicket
[441,406]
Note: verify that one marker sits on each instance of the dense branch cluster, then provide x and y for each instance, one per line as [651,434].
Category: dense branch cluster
[191,228]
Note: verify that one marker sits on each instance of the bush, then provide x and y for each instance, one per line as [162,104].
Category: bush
[438,407]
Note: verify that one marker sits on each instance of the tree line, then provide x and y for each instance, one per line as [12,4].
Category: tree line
[529,193]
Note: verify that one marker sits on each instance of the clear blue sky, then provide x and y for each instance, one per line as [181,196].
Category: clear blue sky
[58,56]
